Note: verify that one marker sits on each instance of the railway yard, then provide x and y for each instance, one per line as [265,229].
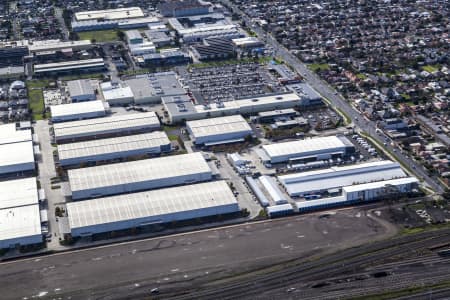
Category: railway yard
[405,266]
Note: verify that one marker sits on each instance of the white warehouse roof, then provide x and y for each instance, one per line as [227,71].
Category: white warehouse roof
[222,126]
[110,14]
[164,205]
[16,157]
[338,177]
[107,125]
[379,184]
[19,192]
[114,147]
[9,134]
[73,110]
[307,147]
[20,225]
[138,175]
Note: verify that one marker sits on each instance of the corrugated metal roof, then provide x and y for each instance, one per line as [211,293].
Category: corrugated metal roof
[338,178]
[107,124]
[221,125]
[379,184]
[332,143]
[77,108]
[118,144]
[137,171]
[151,203]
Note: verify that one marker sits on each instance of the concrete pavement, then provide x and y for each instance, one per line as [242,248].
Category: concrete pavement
[129,270]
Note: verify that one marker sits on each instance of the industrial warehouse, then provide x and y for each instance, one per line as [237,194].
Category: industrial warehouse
[78,111]
[331,180]
[307,150]
[16,150]
[139,175]
[181,108]
[20,220]
[151,207]
[360,193]
[113,148]
[220,130]
[106,127]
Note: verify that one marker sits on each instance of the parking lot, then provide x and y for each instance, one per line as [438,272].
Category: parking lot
[231,82]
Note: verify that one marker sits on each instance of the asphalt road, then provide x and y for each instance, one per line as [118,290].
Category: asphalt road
[337,100]
[131,269]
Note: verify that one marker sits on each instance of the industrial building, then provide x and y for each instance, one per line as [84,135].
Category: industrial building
[110,14]
[134,37]
[58,45]
[9,134]
[360,193]
[195,29]
[18,192]
[143,89]
[124,24]
[165,57]
[270,116]
[181,108]
[214,48]
[272,189]
[106,127]
[247,43]
[17,158]
[113,148]
[183,8]
[13,53]
[332,180]
[307,150]
[116,93]
[158,37]
[138,175]
[20,226]
[85,65]
[81,90]
[78,111]
[220,130]
[151,207]
[16,150]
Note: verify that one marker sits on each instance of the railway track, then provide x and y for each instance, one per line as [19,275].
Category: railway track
[345,262]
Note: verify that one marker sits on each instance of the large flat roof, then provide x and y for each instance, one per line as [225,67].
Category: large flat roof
[137,171]
[253,102]
[151,203]
[68,64]
[110,14]
[16,153]
[380,184]
[304,146]
[39,46]
[221,125]
[9,134]
[112,145]
[105,124]
[20,222]
[18,192]
[77,108]
[80,87]
[338,177]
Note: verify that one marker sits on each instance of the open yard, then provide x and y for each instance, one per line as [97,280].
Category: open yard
[36,97]
[99,36]
[319,67]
